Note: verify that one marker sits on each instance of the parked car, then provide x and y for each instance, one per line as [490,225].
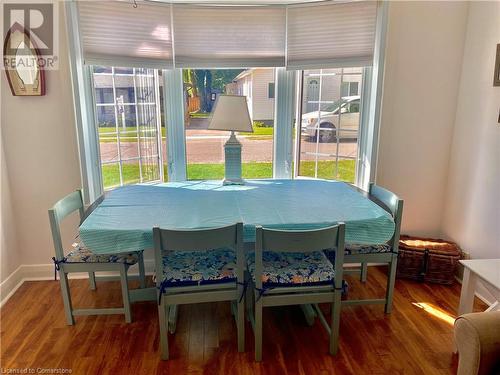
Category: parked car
[325,124]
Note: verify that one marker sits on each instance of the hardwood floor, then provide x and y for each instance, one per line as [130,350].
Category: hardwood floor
[411,340]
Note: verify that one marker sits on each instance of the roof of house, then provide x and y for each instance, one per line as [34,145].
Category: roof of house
[243,74]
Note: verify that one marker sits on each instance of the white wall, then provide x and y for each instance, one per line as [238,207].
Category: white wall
[423,64]
[41,156]
[9,249]
[472,209]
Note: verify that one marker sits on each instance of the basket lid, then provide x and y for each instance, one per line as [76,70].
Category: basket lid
[435,246]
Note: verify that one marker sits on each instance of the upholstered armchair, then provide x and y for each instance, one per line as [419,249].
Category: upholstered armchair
[477,337]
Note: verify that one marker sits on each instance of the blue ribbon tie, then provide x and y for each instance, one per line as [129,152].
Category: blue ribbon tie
[57,266]
[163,289]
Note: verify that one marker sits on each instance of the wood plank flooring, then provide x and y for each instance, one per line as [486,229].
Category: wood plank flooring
[411,340]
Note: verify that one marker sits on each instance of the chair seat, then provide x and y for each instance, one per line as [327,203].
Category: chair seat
[80,254]
[355,249]
[293,269]
[185,268]
[366,249]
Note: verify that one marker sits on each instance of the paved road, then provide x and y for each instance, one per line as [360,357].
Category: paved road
[208,148]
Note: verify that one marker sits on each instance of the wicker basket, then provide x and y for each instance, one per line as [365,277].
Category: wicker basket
[427,259]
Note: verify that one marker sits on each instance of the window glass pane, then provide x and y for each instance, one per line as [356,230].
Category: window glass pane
[330,123]
[103,69]
[125,89]
[110,175]
[108,146]
[129,123]
[204,147]
[106,118]
[126,116]
[103,88]
[131,172]
[270,94]
[119,70]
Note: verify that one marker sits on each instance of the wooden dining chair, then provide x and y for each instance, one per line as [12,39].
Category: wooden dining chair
[196,266]
[289,268]
[81,259]
[385,253]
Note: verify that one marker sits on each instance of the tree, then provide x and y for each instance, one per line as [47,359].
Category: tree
[201,83]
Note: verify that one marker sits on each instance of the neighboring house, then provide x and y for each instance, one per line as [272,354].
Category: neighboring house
[333,86]
[257,84]
[125,97]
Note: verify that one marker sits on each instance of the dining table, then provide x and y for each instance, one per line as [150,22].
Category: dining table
[123,219]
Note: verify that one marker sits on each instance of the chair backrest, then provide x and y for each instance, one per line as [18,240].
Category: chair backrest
[64,207]
[301,241]
[198,240]
[395,206]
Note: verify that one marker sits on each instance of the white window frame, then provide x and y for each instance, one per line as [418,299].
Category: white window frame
[138,130]
[88,139]
[286,83]
[370,108]
[298,127]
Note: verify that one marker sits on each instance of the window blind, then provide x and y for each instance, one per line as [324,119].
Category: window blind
[229,36]
[114,33]
[331,35]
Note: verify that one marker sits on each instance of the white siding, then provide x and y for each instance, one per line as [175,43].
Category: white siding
[263,106]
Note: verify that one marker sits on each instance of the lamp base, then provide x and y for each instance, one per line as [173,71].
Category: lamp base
[233,181]
[232,151]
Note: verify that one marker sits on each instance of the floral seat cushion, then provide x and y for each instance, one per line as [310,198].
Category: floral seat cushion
[356,249]
[183,268]
[80,254]
[367,249]
[293,269]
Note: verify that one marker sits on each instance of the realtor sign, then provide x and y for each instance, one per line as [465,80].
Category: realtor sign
[39,20]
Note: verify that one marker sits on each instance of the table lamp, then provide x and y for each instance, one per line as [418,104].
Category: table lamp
[231,113]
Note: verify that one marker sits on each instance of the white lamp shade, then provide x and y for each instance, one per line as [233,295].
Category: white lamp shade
[231,113]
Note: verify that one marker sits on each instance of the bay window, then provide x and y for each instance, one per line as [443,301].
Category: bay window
[143,95]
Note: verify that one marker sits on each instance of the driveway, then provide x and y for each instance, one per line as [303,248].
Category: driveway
[209,148]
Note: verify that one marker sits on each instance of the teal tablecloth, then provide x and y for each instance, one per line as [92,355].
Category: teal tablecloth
[125,218]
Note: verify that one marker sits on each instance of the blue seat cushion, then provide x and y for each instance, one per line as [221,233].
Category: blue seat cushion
[356,249]
[293,269]
[81,254]
[366,249]
[184,268]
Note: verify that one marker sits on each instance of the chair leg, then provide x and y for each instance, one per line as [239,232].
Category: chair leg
[240,319]
[125,294]
[335,322]
[66,295]
[249,296]
[172,317]
[142,272]
[258,330]
[163,322]
[92,280]
[364,272]
[391,280]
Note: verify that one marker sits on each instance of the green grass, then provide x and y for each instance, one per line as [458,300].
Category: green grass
[131,134]
[260,131]
[346,168]
[199,114]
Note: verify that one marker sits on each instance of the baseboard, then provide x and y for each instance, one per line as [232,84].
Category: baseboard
[40,272]
[9,286]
